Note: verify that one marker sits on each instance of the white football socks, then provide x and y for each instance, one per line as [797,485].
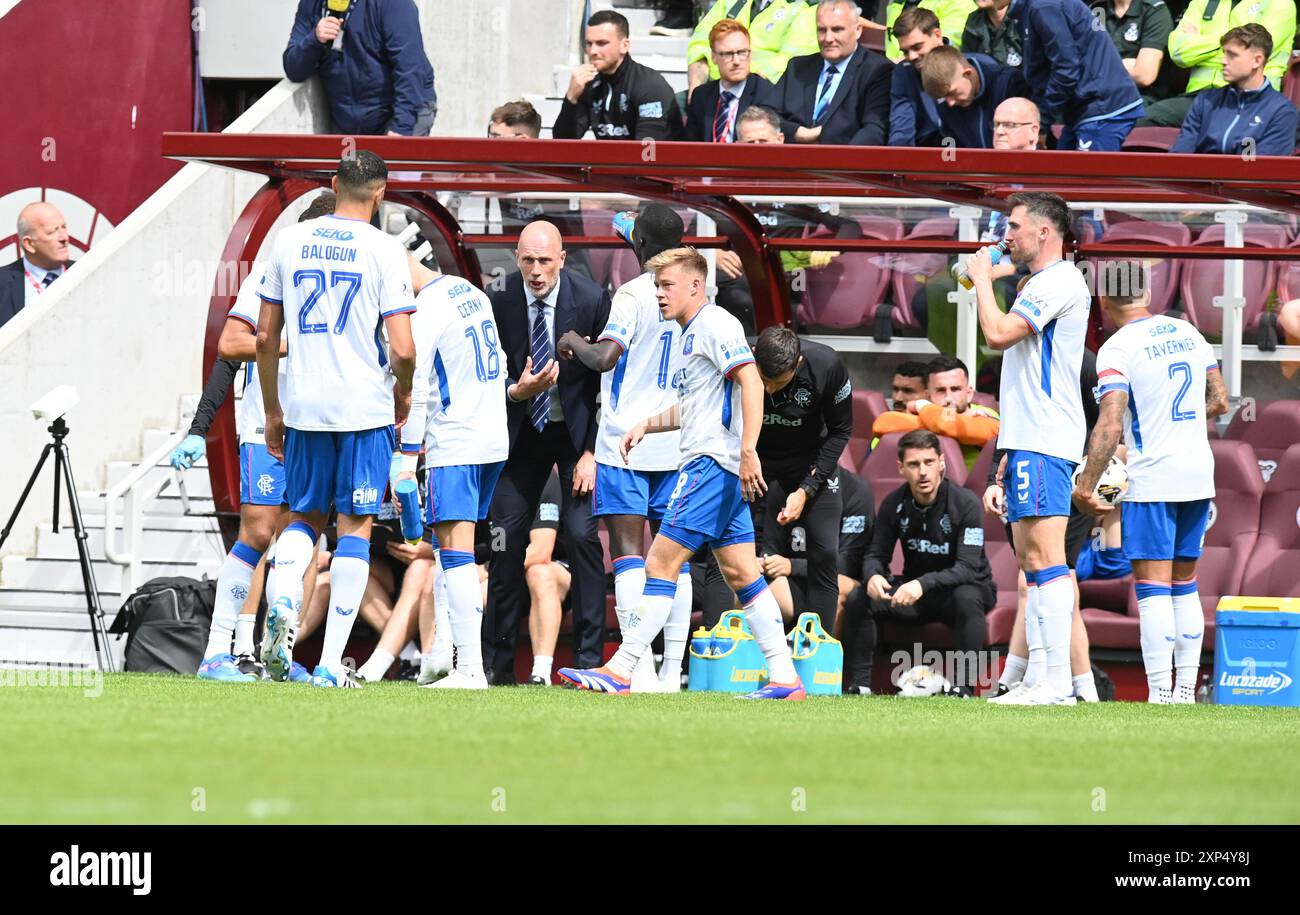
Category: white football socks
[232,590]
[1189,626]
[764,618]
[1055,618]
[1085,687]
[349,571]
[542,664]
[1013,671]
[376,665]
[1036,664]
[292,555]
[244,629]
[1158,634]
[677,630]
[629,584]
[465,609]
[652,610]
[441,648]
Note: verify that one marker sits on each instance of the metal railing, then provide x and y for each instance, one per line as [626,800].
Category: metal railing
[136,491]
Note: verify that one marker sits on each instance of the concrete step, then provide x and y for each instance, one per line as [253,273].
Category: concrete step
[71,603]
[38,574]
[35,645]
[168,503]
[196,524]
[159,544]
[660,46]
[197,480]
[640,18]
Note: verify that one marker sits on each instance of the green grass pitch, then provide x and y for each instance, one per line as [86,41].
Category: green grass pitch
[159,749]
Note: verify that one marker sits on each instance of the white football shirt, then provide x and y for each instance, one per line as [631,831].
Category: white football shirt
[713,348]
[458,399]
[251,417]
[641,384]
[1039,396]
[1161,363]
[337,279]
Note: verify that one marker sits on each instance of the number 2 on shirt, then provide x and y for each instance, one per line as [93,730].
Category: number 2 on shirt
[353,281]
[1177,414]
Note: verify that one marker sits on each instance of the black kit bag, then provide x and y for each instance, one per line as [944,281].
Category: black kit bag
[166,624]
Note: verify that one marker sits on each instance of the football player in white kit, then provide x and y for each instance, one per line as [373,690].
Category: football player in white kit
[1043,429]
[458,410]
[261,498]
[719,414]
[1159,382]
[636,354]
[331,284]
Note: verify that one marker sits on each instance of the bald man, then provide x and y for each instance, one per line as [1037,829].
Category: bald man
[43,241]
[1015,124]
[551,414]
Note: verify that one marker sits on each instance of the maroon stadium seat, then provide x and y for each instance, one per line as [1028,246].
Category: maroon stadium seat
[1164,272]
[855,452]
[1233,529]
[984,400]
[598,222]
[1270,428]
[1108,629]
[881,466]
[1202,280]
[867,405]
[846,293]
[1288,278]
[1274,566]
[978,475]
[1106,593]
[912,270]
[1291,82]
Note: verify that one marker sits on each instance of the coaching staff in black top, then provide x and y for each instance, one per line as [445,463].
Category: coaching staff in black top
[551,413]
[946,575]
[618,98]
[807,420]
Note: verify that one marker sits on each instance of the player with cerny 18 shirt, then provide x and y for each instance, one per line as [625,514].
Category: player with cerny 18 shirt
[720,415]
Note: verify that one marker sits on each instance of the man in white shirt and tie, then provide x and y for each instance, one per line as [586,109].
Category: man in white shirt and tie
[841,94]
[714,109]
[43,241]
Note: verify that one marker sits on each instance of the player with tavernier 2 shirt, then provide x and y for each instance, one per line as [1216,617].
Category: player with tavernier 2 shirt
[719,414]
[1043,336]
[330,284]
[1159,378]
[458,410]
[637,354]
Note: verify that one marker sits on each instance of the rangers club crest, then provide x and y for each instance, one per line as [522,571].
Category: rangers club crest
[945,525]
[803,397]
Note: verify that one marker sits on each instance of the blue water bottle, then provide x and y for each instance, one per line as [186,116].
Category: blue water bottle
[408,495]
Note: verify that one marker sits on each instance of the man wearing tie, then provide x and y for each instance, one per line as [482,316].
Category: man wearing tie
[840,95]
[43,241]
[551,412]
[715,107]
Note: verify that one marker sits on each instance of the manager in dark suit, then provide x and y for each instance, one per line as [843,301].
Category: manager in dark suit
[43,240]
[714,109]
[551,412]
[840,95]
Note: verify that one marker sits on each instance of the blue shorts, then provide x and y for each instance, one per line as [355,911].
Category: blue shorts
[1101,565]
[1165,530]
[261,477]
[348,470]
[706,507]
[1105,135]
[1037,485]
[623,491]
[461,492]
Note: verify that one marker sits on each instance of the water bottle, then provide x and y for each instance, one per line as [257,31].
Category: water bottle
[1205,694]
[996,253]
[408,493]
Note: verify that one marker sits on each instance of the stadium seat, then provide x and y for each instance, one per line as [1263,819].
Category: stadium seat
[846,293]
[984,400]
[1233,529]
[597,223]
[1202,280]
[855,453]
[867,405]
[1288,278]
[1109,629]
[1274,566]
[913,270]
[1270,428]
[1106,593]
[1150,139]
[881,466]
[1291,81]
[1164,272]
[978,475]
[873,40]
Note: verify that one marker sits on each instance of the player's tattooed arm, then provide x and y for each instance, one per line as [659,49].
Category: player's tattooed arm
[1216,394]
[1106,437]
[600,356]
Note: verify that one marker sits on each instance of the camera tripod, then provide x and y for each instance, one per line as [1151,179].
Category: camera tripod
[63,472]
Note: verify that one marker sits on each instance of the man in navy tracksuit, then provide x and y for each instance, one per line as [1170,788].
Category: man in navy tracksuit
[968,88]
[1246,116]
[379,80]
[1077,77]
